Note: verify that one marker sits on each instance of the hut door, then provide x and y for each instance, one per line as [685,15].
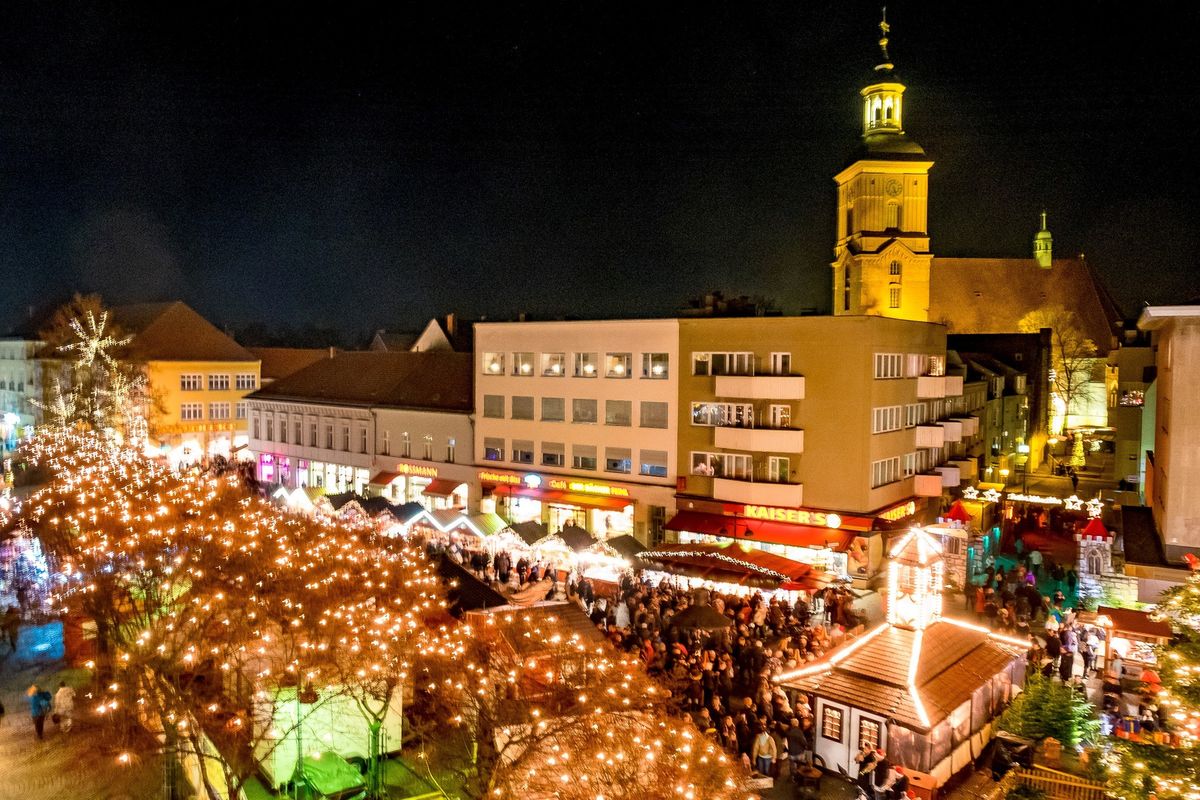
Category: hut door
[862,728]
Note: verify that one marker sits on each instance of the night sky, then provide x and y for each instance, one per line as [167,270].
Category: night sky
[338,167]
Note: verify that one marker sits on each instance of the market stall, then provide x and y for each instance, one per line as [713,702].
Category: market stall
[732,568]
[1133,636]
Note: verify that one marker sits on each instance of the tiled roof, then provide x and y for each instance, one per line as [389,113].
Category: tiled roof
[175,332]
[393,342]
[954,661]
[439,381]
[991,295]
[279,362]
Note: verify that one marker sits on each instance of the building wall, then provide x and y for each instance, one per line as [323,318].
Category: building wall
[189,440]
[18,377]
[1126,386]
[836,356]
[1176,493]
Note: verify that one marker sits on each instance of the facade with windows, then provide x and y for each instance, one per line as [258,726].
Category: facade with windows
[803,435]
[18,377]
[396,424]
[576,423]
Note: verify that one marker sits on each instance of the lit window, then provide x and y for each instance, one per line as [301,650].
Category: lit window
[893,296]
[831,723]
[493,363]
[655,365]
[585,365]
[868,733]
[618,365]
[493,449]
[654,463]
[554,364]
[522,363]
[218,383]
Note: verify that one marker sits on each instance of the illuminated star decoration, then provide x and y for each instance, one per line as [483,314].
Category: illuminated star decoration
[1073,503]
[61,407]
[970,493]
[992,496]
[1094,507]
[93,343]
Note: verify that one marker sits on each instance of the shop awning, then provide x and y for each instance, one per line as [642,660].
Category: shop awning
[383,478]
[441,487]
[761,530]
[1137,623]
[568,498]
[531,532]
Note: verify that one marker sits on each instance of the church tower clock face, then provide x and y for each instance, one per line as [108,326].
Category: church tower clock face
[893,188]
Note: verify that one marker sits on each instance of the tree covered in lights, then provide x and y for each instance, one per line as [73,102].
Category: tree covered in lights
[1169,770]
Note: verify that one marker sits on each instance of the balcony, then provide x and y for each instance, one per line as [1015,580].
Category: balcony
[950,475]
[927,485]
[759,493]
[761,387]
[970,425]
[953,429]
[930,436]
[954,384]
[931,387]
[760,440]
[968,468]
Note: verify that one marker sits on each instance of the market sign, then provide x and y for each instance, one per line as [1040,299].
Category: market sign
[416,469]
[500,477]
[587,487]
[1095,506]
[796,516]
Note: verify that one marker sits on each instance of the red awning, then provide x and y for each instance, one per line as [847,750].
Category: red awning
[736,563]
[569,498]
[761,530]
[383,478]
[441,487]
[958,512]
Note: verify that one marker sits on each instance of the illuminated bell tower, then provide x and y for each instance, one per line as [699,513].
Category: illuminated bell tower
[1042,246]
[916,578]
[881,254]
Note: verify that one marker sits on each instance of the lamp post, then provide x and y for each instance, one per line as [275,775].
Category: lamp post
[1004,478]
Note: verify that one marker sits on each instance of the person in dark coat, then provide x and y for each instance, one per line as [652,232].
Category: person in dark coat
[39,708]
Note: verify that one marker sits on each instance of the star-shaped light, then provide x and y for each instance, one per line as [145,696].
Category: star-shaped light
[971,493]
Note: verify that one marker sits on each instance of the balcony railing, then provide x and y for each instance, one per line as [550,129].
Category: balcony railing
[933,387]
[927,485]
[930,436]
[760,387]
[762,493]
[770,440]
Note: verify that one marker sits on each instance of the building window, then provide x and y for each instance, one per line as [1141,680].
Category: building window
[299,430]
[362,439]
[283,429]
[937,366]
[781,416]
[583,456]
[888,365]
[246,381]
[831,723]
[218,383]
[846,289]
[427,443]
[655,365]
[723,465]
[522,407]
[654,414]
[386,445]
[191,383]
[523,364]
[910,464]
[779,469]
[493,363]
[254,427]
[346,438]
[618,459]
[241,410]
[894,296]
[585,365]
[522,451]
[493,406]
[493,449]
[736,415]
[328,437]
[781,363]
[894,269]
[312,434]
[618,365]
[450,450]
[405,445]
[554,365]
[553,454]
[885,419]
[653,463]
[885,471]
[270,428]
[722,363]
[191,411]
[553,409]
[583,411]
[618,412]
[868,732]
[914,415]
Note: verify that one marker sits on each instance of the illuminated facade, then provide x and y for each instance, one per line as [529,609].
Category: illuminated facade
[18,377]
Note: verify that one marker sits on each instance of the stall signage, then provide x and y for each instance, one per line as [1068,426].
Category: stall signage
[899,512]
[500,477]
[585,487]
[797,516]
[416,469]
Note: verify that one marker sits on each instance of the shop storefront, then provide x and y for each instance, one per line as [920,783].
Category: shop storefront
[605,510]
[436,487]
[839,545]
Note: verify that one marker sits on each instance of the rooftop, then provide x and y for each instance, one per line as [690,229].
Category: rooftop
[279,362]
[175,332]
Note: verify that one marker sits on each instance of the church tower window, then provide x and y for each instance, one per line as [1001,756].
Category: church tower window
[894,296]
[893,215]
[894,269]
[846,289]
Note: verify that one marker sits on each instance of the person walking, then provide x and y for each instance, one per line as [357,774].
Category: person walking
[1035,563]
[39,707]
[64,706]
[11,624]
[797,744]
[763,752]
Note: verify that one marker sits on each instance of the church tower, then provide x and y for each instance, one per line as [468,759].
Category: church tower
[1043,252]
[881,255]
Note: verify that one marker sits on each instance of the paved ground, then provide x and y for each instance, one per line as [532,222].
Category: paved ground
[70,766]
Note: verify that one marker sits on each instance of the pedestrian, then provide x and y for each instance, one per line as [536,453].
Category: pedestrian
[763,752]
[1074,482]
[12,626]
[39,707]
[64,706]
[1035,563]
[797,745]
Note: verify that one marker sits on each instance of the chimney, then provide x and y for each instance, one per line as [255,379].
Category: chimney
[520,316]
[332,350]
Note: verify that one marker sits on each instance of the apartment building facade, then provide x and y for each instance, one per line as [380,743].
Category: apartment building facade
[576,423]
[396,424]
[807,435]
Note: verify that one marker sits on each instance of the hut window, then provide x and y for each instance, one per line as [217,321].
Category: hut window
[831,723]
[868,733]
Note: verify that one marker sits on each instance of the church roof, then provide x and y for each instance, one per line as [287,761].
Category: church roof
[991,295]
[175,332]
[952,661]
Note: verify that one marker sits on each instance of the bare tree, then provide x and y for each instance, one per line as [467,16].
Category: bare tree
[1072,354]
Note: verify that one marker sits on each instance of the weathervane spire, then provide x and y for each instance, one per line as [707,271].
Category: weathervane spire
[884,29]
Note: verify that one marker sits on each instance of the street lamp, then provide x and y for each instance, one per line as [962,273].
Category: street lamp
[1004,477]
